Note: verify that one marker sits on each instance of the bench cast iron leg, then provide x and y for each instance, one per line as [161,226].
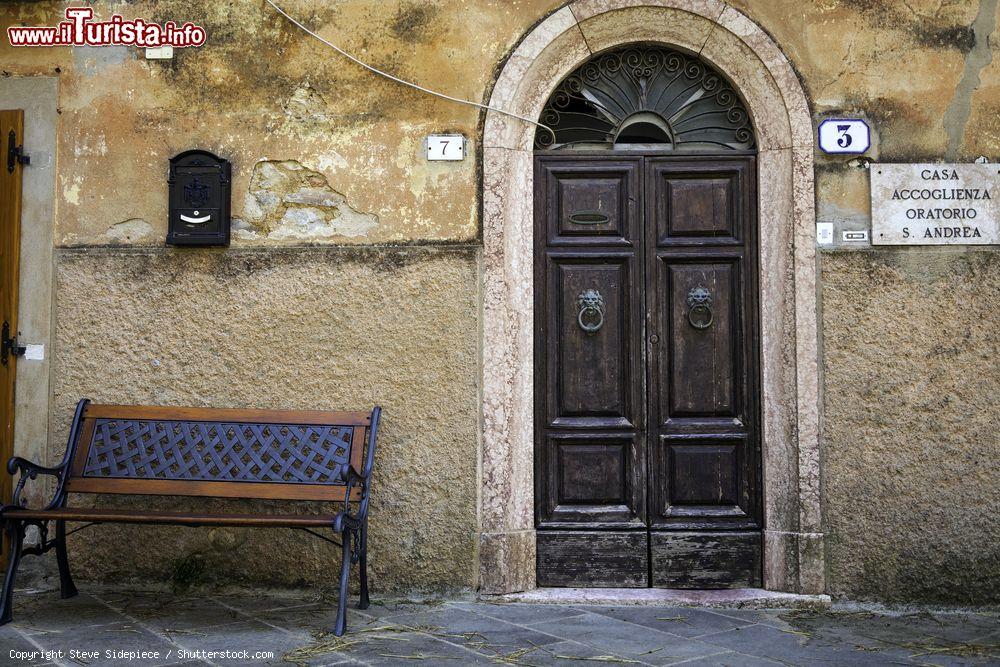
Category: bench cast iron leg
[345,573]
[15,538]
[363,566]
[67,588]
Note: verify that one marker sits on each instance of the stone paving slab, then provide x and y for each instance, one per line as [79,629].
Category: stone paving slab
[288,628]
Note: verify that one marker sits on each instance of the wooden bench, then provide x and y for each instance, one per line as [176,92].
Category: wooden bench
[324,457]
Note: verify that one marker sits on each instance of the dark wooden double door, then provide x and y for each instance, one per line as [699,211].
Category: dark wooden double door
[646,391]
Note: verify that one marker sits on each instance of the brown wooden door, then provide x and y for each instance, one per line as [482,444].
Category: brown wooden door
[647,433]
[11,133]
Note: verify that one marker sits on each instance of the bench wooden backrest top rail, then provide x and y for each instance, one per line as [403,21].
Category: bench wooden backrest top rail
[289,455]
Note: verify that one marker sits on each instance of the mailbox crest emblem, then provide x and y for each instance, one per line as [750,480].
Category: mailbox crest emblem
[196,193]
[199,196]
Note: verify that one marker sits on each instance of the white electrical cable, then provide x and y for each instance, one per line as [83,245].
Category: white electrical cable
[408,83]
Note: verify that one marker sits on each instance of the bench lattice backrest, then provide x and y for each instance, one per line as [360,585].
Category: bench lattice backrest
[216,452]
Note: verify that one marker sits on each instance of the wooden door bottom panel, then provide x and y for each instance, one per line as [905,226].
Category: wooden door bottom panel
[706,560]
[593,559]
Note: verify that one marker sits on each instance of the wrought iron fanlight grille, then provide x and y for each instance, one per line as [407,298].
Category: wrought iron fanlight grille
[642,95]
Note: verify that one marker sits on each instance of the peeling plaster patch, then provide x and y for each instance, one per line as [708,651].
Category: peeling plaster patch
[422,174]
[306,104]
[331,161]
[289,202]
[72,193]
[94,145]
[956,118]
[131,231]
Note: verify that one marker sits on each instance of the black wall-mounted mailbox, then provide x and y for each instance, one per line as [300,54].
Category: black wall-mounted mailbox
[199,184]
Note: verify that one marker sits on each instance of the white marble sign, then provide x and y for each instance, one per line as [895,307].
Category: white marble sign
[935,204]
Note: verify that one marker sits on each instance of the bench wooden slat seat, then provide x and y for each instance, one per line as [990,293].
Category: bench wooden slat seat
[101,515]
[145,451]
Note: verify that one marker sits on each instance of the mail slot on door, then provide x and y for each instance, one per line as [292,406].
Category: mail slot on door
[199,185]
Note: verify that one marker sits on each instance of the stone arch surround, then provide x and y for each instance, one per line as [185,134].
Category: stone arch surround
[728,39]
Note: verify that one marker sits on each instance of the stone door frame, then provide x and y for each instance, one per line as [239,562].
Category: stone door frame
[730,41]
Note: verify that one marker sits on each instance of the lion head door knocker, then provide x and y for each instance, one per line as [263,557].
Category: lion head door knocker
[700,308]
[591,316]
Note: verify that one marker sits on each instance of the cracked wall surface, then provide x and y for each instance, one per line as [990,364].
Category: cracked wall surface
[289,202]
[325,153]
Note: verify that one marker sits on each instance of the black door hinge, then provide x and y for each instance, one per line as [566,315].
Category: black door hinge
[15,153]
[8,345]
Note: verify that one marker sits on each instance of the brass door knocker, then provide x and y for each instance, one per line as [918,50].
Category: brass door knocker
[700,313]
[591,316]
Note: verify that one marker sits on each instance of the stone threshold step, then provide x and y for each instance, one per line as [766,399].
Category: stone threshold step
[735,598]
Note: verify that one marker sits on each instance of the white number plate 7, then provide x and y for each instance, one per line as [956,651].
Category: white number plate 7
[446,147]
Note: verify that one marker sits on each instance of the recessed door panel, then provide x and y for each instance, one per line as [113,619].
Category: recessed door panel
[594,480]
[699,202]
[702,483]
[591,203]
[700,207]
[698,360]
[703,474]
[592,473]
[592,317]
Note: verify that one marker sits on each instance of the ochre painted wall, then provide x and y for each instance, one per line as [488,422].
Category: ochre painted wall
[324,152]
[260,89]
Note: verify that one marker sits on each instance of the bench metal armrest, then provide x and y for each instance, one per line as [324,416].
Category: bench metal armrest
[363,479]
[353,480]
[346,518]
[31,470]
[24,465]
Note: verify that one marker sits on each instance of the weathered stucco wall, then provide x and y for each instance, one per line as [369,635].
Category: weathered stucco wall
[925,73]
[309,329]
[260,89]
[912,455]
[324,152]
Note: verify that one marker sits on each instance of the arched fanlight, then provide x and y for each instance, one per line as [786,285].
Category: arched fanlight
[646,95]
